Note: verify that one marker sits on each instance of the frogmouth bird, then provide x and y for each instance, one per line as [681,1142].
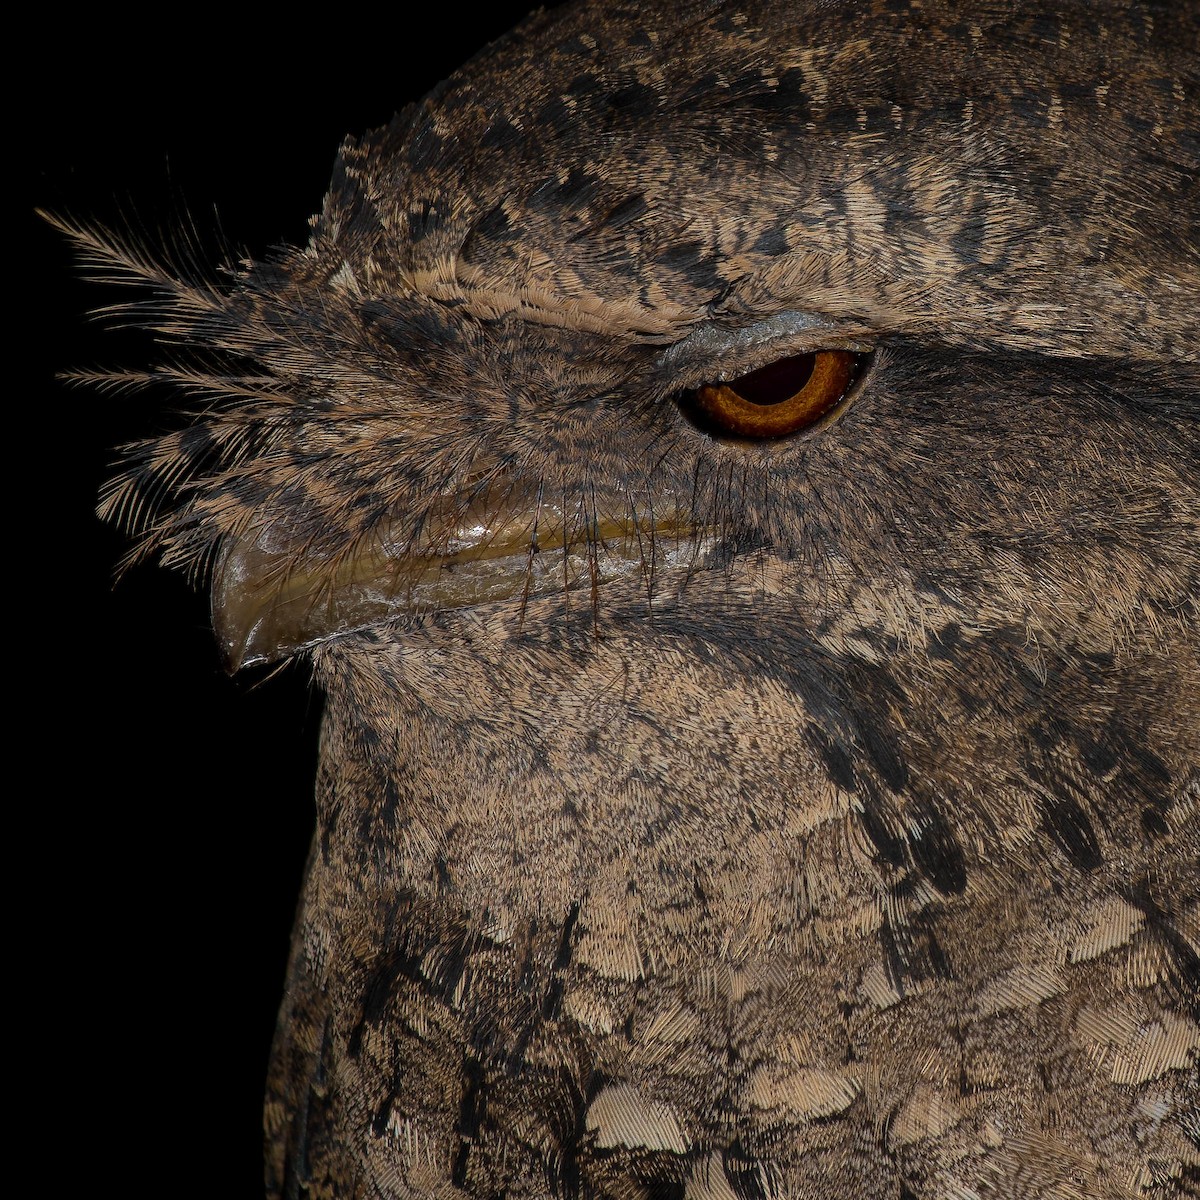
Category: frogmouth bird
[733,471]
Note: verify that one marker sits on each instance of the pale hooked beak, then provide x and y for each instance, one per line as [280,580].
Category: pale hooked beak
[271,602]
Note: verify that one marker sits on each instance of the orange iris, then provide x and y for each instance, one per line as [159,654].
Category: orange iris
[776,400]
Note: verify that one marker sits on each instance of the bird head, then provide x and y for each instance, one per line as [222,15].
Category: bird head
[478,382]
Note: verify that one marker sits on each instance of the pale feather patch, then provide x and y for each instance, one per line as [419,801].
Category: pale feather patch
[877,989]
[955,1189]
[708,1182]
[672,1025]
[727,982]
[621,1116]
[1132,1049]
[606,942]
[1022,987]
[807,1093]
[552,302]
[1106,925]
[927,1113]
[344,280]
[589,1011]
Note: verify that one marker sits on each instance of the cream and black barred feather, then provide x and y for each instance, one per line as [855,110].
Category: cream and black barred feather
[707,819]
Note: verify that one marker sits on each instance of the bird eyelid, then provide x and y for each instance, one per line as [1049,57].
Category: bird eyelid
[714,352]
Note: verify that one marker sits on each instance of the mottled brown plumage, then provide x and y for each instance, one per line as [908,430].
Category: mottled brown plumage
[812,818]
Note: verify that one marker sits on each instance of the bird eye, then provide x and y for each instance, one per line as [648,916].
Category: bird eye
[776,400]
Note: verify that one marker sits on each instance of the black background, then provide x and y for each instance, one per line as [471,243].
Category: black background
[161,810]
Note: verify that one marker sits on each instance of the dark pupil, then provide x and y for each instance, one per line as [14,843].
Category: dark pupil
[776,382]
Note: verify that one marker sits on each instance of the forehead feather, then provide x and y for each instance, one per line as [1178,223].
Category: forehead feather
[639,169]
